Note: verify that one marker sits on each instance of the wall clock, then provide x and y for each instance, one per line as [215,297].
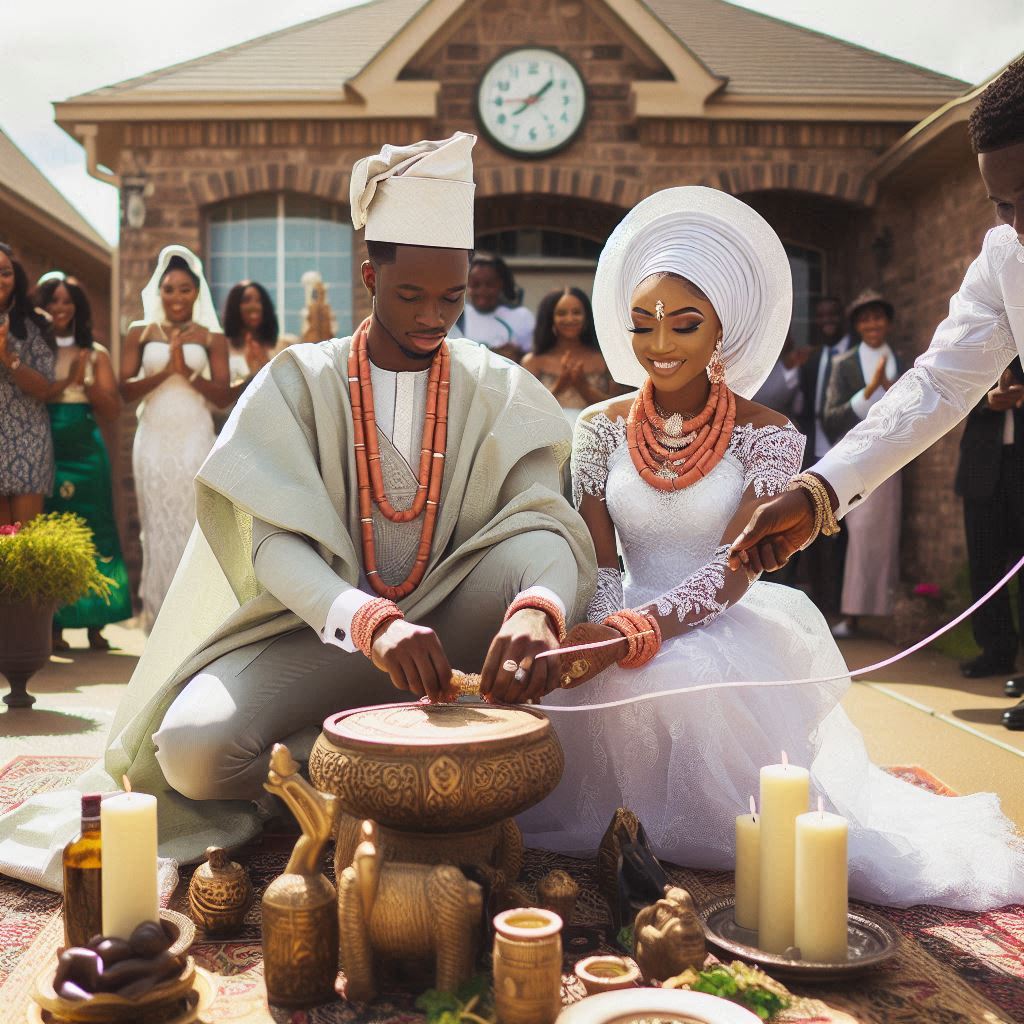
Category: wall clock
[531,102]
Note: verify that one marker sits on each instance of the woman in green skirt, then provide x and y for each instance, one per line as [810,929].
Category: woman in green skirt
[83,481]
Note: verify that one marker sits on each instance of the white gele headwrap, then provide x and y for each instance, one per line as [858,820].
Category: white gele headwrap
[204,312]
[725,248]
[417,195]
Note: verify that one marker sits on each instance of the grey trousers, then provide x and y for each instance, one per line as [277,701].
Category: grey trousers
[214,742]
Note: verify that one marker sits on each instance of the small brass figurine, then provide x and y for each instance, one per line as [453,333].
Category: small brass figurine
[300,918]
[405,912]
[558,891]
[219,894]
[669,937]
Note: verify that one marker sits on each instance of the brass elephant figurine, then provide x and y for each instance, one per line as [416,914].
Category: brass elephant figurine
[405,912]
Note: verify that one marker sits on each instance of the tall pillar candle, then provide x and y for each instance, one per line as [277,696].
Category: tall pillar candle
[128,834]
[785,792]
[748,868]
[821,900]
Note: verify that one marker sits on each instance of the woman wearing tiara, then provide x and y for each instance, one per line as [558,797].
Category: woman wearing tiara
[693,297]
[176,360]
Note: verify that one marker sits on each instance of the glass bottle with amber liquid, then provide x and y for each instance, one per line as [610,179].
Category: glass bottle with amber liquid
[83,910]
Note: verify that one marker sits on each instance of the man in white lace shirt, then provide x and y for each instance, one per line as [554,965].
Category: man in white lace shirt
[970,350]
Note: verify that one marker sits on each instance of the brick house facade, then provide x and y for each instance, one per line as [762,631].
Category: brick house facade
[679,92]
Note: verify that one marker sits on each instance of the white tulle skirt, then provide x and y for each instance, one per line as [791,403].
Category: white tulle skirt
[687,764]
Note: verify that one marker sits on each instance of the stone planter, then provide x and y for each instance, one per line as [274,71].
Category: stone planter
[26,641]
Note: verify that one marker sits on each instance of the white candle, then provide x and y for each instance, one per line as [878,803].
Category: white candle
[128,835]
[821,900]
[785,791]
[748,867]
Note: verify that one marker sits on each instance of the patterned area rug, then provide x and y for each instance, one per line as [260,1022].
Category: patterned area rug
[952,968]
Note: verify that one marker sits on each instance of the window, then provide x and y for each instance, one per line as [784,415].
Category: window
[806,265]
[533,243]
[275,239]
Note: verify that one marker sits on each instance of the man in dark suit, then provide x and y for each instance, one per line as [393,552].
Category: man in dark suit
[990,479]
[821,565]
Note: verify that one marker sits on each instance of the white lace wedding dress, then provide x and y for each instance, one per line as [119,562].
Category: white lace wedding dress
[174,436]
[687,764]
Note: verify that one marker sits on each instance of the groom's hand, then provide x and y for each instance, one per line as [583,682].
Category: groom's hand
[414,658]
[525,635]
[776,531]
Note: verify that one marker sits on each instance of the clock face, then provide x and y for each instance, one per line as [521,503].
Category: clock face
[531,102]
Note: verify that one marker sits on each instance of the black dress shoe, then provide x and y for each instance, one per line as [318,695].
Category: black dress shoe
[986,665]
[1014,717]
[1014,687]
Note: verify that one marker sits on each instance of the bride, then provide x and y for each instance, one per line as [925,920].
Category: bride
[176,360]
[693,299]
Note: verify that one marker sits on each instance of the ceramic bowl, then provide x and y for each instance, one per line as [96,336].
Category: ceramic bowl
[668,1006]
[607,973]
[106,1007]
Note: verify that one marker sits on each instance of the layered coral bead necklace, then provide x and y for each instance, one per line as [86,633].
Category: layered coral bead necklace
[369,476]
[672,452]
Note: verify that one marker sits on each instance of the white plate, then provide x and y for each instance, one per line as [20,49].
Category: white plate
[635,1004]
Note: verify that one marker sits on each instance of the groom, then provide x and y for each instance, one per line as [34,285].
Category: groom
[254,641]
[353,602]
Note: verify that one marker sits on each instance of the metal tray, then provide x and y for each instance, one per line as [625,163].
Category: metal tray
[872,942]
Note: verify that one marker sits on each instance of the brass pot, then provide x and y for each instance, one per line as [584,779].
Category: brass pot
[437,768]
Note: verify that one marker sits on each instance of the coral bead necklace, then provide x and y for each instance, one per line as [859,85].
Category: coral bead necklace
[670,454]
[369,476]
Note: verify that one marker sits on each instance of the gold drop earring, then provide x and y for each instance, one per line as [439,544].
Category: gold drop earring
[715,367]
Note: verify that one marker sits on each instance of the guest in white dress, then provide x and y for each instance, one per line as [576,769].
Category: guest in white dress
[176,361]
[251,328]
[701,285]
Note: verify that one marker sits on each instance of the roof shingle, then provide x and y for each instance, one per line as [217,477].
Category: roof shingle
[759,54]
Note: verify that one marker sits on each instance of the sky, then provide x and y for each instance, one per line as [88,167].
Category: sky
[76,47]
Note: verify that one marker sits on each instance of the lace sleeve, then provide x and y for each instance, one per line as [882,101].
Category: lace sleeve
[607,597]
[594,441]
[702,596]
[770,456]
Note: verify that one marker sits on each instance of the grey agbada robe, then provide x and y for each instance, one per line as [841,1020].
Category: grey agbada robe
[285,457]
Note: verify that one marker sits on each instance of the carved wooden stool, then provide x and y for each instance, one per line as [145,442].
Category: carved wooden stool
[442,781]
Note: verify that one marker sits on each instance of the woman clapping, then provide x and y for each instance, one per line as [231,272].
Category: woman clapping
[83,479]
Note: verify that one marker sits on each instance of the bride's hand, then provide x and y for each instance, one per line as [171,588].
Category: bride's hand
[580,667]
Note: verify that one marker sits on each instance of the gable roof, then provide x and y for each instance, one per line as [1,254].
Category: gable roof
[25,186]
[310,58]
[759,54]
[754,54]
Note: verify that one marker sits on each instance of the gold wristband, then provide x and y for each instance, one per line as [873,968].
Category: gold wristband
[825,521]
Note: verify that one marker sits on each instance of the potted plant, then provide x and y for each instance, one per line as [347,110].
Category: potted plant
[47,563]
